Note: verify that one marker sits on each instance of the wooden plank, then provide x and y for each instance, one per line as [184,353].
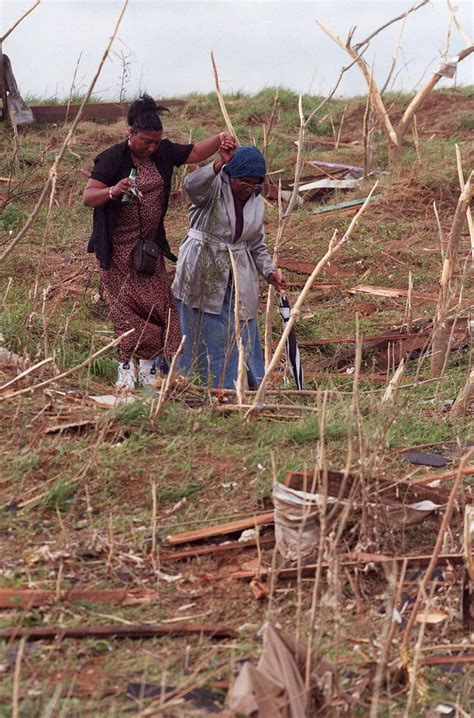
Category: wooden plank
[463,659]
[442,477]
[120,631]
[28,598]
[221,529]
[103,111]
[308,571]
[367,340]
[389,292]
[215,549]
[386,492]
[349,204]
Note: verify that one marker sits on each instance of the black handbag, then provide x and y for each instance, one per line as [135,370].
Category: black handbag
[145,256]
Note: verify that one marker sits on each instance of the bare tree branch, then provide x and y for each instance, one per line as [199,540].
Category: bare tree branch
[220,96]
[27,12]
[70,134]
[390,22]
[464,35]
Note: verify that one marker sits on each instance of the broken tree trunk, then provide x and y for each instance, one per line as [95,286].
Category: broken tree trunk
[440,329]
[394,133]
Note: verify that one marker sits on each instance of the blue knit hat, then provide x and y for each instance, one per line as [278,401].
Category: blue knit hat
[246,162]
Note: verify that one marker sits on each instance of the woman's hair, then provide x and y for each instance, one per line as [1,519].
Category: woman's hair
[144,114]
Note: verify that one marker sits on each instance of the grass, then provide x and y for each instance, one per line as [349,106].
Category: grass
[96,483]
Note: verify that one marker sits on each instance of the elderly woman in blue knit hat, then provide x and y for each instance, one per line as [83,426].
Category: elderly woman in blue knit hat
[226,214]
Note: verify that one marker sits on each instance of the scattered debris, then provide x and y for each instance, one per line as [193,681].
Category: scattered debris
[275,688]
[30,598]
[432,617]
[389,292]
[215,548]
[167,578]
[349,205]
[418,457]
[10,359]
[110,400]
[296,520]
[202,698]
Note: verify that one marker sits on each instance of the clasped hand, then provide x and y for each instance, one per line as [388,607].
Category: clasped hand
[277,280]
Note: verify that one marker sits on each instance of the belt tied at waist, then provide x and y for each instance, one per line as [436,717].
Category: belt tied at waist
[204,237]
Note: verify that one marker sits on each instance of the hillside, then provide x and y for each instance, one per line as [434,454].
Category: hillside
[89,494]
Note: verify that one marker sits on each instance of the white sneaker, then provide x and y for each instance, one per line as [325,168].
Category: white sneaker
[147,373]
[126,376]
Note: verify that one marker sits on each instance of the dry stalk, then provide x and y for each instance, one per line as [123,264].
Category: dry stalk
[154,519]
[367,132]
[440,335]
[416,140]
[320,469]
[273,571]
[416,657]
[409,306]
[17,22]
[464,397]
[339,133]
[271,290]
[241,368]
[16,680]
[395,55]
[220,96]
[464,35]
[73,83]
[389,633]
[26,372]
[392,388]
[332,249]
[437,548]
[65,145]
[83,364]
[16,141]
[470,221]
[166,385]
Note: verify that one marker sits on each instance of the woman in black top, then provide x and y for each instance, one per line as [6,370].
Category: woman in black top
[139,301]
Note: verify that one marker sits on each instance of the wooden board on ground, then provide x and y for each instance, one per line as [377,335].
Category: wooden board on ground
[220,530]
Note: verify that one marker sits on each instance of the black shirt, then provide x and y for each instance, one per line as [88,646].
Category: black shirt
[113,165]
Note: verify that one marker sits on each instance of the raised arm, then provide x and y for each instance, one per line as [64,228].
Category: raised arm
[206,148]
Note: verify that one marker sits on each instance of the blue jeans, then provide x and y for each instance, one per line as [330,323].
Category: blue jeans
[210,349]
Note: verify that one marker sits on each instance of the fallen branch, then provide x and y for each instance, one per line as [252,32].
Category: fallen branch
[131,631]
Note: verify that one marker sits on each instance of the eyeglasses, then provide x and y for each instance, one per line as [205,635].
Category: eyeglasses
[251,185]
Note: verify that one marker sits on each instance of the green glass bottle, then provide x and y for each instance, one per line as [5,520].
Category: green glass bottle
[128,197]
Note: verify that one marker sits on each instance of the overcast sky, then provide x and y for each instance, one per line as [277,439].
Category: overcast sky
[166,45]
